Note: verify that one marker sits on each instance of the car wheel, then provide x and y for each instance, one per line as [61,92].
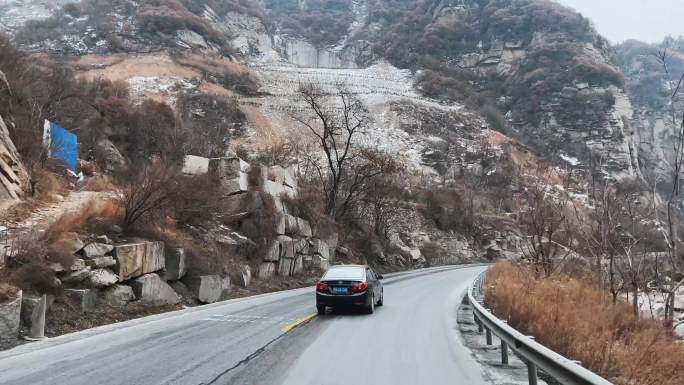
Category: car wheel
[321,310]
[382,298]
[371,307]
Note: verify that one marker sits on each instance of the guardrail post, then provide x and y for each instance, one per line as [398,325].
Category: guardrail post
[489,336]
[37,331]
[532,373]
[504,353]
[480,327]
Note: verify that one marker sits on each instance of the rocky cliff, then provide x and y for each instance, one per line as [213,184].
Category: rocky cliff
[13,176]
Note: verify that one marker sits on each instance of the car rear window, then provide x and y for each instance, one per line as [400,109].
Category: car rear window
[350,272]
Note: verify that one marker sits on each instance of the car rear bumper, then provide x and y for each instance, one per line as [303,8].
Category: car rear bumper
[360,299]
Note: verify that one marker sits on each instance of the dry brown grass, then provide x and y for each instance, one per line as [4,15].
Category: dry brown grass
[100,183]
[7,292]
[575,319]
[92,215]
[48,187]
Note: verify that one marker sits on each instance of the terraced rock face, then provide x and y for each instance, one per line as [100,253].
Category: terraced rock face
[13,176]
[551,74]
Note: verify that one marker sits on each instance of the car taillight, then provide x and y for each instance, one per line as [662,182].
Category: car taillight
[322,287]
[359,287]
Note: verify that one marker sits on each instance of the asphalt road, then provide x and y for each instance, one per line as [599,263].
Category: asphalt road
[413,339]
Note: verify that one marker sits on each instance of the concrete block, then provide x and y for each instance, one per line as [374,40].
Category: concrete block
[295,226]
[277,190]
[267,270]
[102,278]
[248,202]
[227,168]
[10,318]
[101,262]
[206,288]
[85,299]
[175,267]
[237,185]
[151,289]
[245,276]
[95,250]
[195,165]
[319,247]
[135,260]
[118,295]
[285,266]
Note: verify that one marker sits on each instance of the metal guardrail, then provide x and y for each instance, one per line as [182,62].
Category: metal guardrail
[536,356]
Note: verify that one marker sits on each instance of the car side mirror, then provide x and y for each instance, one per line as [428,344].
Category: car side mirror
[380,276]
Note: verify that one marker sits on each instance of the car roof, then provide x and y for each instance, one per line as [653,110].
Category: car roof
[336,266]
[345,272]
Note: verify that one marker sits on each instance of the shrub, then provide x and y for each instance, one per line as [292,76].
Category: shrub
[35,278]
[579,321]
[147,196]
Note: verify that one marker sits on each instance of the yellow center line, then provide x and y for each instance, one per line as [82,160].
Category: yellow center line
[298,323]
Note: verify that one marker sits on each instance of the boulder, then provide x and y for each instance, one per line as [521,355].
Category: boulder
[679,331]
[276,190]
[297,265]
[181,289]
[282,246]
[237,185]
[78,264]
[295,226]
[118,295]
[243,203]
[245,276]
[195,165]
[135,260]
[13,175]
[95,250]
[104,239]
[267,270]
[320,262]
[85,299]
[151,289]
[66,244]
[191,39]
[175,267]
[679,300]
[79,276]
[101,262]
[227,168]
[101,278]
[10,317]
[280,225]
[285,266]
[110,155]
[290,266]
[301,246]
[318,247]
[206,288]
[283,176]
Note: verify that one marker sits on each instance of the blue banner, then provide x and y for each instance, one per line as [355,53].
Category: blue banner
[63,145]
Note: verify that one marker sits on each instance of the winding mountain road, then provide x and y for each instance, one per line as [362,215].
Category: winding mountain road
[413,339]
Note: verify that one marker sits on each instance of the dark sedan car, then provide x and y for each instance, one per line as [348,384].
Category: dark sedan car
[349,285]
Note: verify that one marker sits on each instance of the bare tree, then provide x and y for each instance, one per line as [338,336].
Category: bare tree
[546,222]
[148,194]
[676,117]
[335,120]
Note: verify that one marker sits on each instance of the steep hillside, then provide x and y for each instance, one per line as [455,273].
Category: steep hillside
[653,72]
